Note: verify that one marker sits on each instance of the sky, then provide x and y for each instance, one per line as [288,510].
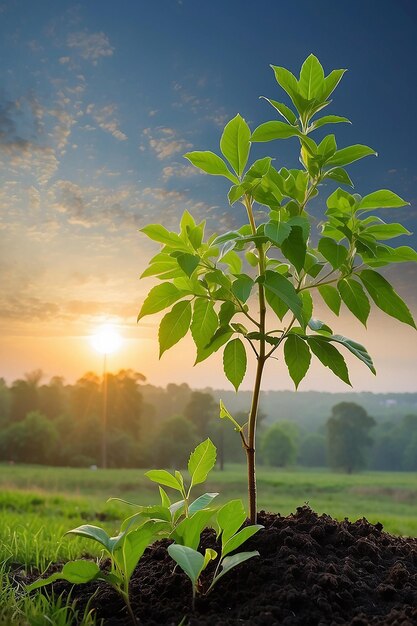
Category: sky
[99,101]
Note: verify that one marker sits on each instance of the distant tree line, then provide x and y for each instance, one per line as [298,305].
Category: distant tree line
[55,423]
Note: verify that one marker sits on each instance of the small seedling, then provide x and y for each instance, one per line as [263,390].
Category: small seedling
[124,550]
[230,518]
[184,519]
[200,463]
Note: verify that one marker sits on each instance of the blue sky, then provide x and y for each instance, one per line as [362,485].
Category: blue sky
[98,102]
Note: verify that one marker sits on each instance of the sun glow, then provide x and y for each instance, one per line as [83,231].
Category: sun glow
[106,340]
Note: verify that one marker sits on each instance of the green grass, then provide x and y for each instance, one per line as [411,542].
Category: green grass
[39,504]
[44,502]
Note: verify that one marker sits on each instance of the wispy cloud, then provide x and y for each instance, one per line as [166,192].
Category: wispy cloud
[90,46]
[177,170]
[107,120]
[165,142]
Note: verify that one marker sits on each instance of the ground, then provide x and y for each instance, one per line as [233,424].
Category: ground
[312,571]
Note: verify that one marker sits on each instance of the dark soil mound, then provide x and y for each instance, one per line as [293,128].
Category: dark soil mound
[312,571]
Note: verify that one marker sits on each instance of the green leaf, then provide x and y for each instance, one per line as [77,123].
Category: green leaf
[201,461]
[231,235]
[235,143]
[355,298]
[230,562]
[92,532]
[350,154]
[134,545]
[159,298]
[330,82]
[242,287]
[158,233]
[311,78]
[319,326]
[164,478]
[339,175]
[331,297]
[162,267]
[294,247]
[251,258]
[281,287]
[201,502]
[188,531]
[174,326]
[384,296]
[297,357]
[217,277]
[382,199]
[209,555]
[204,322]
[277,232]
[257,171]
[230,518]
[234,362]
[165,501]
[220,337]
[301,222]
[211,164]
[327,147]
[307,301]
[274,130]
[239,538]
[330,357]
[385,255]
[75,572]
[289,83]
[340,201]
[335,253]
[329,119]
[386,231]
[233,261]
[235,193]
[283,110]
[189,560]
[188,262]
[226,312]
[355,348]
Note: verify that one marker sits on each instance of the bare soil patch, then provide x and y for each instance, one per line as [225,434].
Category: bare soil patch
[312,571]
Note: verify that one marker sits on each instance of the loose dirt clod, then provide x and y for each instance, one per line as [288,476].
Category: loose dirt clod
[313,571]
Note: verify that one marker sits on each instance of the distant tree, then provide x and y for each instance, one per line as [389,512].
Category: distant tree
[86,397]
[123,451]
[410,454]
[178,397]
[31,440]
[409,432]
[312,452]
[388,449]
[5,399]
[172,446]
[53,398]
[124,401]
[25,395]
[200,409]
[348,436]
[278,446]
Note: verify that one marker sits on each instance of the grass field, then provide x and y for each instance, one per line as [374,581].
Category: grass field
[39,504]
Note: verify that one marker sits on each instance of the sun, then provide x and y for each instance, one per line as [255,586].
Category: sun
[106,340]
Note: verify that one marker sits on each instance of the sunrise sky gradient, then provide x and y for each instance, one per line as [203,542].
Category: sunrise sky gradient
[99,101]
